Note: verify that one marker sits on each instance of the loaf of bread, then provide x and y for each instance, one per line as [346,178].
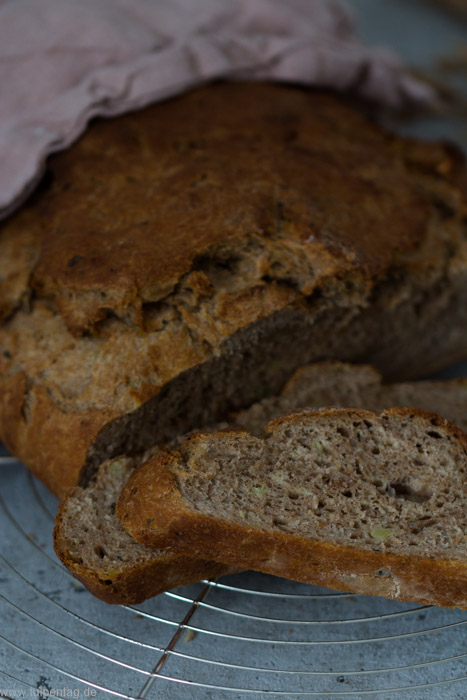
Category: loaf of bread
[92,543]
[343,498]
[180,262]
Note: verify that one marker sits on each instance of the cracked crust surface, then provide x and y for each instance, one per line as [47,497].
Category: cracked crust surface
[138,199]
[170,269]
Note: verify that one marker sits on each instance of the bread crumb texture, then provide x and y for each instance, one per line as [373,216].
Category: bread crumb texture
[361,480]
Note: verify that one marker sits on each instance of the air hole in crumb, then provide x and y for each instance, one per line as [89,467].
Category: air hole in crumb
[293,495]
[375,451]
[100,551]
[410,494]
[342,431]
[426,521]
[347,493]
[434,434]
[279,522]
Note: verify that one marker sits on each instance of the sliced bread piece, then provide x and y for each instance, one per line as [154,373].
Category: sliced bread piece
[345,385]
[95,547]
[348,499]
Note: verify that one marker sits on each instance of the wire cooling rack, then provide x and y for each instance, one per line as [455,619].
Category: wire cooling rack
[241,636]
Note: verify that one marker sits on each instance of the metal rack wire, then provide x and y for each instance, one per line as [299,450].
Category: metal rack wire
[246,635]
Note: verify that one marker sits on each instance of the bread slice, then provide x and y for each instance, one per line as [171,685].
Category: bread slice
[97,550]
[342,384]
[180,262]
[95,547]
[348,499]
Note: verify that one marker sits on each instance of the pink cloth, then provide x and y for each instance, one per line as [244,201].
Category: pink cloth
[65,61]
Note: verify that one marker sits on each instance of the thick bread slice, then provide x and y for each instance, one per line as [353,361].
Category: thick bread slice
[349,499]
[180,262]
[95,547]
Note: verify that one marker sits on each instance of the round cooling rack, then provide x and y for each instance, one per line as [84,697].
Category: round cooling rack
[242,636]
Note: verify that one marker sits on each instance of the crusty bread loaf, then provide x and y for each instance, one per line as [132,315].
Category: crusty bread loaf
[181,262]
[348,499]
[95,547]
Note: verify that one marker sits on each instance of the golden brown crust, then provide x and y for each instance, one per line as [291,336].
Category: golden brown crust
[172,524]
[242,148]
[53,445]
[149,580]
[147,202]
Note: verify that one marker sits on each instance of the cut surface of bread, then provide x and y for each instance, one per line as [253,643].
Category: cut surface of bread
[95,547]
[148,289]
[348,499]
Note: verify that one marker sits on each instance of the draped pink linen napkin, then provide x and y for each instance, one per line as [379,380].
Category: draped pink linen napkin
[64,61]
